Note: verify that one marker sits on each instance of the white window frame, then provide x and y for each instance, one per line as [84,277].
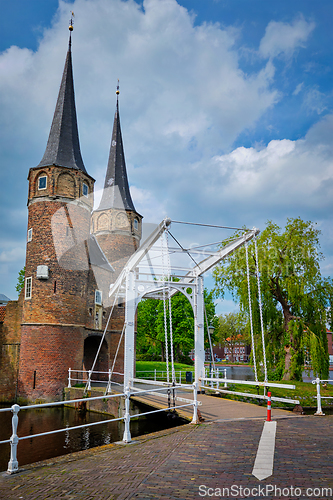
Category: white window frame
[84,184]
[39,178]
[29,234]
[136,224]
[28,288]
[98,297]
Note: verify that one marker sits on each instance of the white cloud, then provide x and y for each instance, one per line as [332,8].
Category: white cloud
[290,176]
[298,89]
[147,204]
[181,85]
[285,38]
[315,101]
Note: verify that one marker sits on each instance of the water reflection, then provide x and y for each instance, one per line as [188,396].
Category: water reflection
[241,372]
[43,420]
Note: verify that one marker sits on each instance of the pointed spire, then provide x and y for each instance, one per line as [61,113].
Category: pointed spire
[116,193]
[63,146]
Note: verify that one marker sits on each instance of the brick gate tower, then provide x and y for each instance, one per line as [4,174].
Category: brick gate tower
[60,202]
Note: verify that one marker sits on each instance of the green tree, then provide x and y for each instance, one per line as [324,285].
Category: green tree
[20,281]
[151,326]
[295,297]
[232,331]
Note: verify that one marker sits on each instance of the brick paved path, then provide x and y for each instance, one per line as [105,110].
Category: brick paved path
[172,464]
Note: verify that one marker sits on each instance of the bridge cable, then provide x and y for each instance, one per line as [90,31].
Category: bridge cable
[250,311]
[173,375]
[114,359]
[164,311]
[101,342]
[260,307]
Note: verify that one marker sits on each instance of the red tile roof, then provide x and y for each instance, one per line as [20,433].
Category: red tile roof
[2,312]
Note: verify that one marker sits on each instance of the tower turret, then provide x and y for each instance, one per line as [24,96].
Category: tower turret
[60,202]
[116,224]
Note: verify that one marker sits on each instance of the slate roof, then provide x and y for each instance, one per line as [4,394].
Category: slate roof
[97,256]
[116,193]
[4,298]
[63,147]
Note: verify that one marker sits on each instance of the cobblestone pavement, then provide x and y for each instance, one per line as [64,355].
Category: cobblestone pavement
[183,462]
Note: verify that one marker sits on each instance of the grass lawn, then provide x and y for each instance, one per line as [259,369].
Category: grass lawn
[305,392]
[146,369]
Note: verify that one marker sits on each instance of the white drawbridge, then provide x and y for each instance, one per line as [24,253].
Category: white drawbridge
[148,273]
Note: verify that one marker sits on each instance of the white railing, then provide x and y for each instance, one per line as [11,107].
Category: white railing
[86,377]
[162,375]
[14,439]
[317,381]
[250,382]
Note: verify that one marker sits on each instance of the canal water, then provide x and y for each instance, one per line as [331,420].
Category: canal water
[36,421]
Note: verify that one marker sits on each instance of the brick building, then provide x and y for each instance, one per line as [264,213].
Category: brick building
[73,254]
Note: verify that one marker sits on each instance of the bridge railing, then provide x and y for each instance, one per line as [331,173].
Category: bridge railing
[86,377]
[162,374]
[15,409]
[319,397]
[227,381]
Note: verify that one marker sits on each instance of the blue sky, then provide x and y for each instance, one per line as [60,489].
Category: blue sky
[226,108]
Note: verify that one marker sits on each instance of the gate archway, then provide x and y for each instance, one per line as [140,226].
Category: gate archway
[91,345]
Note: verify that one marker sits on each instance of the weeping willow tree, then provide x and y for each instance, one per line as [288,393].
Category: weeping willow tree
[151,326]
[296,299]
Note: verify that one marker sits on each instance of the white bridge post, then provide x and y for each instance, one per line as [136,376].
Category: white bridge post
[319,409]
[195,419]
[13,463]
[127,433]
[199,345]
[130,305]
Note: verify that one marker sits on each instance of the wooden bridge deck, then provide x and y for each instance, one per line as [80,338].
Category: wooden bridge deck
[212,408]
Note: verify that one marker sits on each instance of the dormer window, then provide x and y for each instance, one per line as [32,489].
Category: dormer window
[136,224]
[42,182]
[85,189]
[29,234]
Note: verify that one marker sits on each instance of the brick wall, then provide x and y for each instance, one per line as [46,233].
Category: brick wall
[10,337]
[62,297]
[47,351]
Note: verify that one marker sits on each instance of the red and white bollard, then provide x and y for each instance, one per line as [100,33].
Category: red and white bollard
[269,407]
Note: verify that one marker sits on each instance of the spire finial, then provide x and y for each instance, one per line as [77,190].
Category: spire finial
[71,22]
[70,27]
[117,92]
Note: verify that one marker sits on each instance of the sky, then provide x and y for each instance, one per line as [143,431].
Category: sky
[225,107]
